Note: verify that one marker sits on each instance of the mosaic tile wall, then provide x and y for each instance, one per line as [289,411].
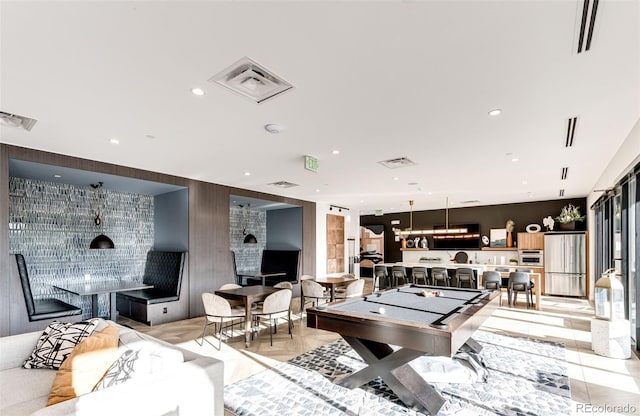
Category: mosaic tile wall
[52,225]
[248,256]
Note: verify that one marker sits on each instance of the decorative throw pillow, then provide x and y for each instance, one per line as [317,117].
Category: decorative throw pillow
[85,366]
[139,360]
[56,343]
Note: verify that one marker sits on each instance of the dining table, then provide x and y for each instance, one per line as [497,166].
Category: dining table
[94,288]
[331,282]
[536,286]
[248,295]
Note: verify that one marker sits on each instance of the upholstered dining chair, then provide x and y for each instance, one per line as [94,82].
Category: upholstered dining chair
[464,276]
[493,281]
[380,277]
[275,306]
[228,286]
[354,289]
[399,275]
[218,311]
[312,292]
[420,274]
[440,277]
[519,282]
[283,285]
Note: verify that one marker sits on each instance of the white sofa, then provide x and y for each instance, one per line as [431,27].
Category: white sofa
[193,386]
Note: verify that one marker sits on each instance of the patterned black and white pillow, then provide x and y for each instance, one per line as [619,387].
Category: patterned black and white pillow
[120,371]
[56,343]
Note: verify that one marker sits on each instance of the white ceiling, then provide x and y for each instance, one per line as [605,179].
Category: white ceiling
[375,80]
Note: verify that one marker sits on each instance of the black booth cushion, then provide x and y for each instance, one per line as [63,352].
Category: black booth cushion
[53,308]
[149,296]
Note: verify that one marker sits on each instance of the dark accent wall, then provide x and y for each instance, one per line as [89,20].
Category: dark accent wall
[488,217]
[284,229]
[171,221]
[209,264]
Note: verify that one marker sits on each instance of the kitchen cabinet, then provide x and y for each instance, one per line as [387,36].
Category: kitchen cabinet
[530,241]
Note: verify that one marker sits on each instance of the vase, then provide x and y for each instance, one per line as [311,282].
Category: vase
[567,226]
[509,239]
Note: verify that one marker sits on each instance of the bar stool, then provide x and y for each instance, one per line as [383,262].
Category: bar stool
[420,273]
[440,275]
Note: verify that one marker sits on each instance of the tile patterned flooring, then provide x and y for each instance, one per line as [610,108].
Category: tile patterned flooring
[599,385]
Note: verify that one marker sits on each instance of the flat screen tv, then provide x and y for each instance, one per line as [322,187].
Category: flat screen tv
[275,261]
[471,240]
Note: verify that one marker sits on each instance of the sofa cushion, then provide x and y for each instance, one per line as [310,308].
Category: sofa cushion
[56,343]
[150,296]
[85,366]
[22,392]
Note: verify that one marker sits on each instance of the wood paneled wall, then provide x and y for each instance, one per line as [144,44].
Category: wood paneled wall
[209,256]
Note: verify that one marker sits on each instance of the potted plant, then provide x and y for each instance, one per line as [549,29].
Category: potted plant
[568,217]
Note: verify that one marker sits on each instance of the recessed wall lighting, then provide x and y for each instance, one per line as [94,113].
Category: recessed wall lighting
[247,174]
[114,141]
[197,91]
[273,128]
[495,112]
[335,152]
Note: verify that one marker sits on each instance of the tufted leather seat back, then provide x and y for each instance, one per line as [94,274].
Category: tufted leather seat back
[163,270]
[26,286]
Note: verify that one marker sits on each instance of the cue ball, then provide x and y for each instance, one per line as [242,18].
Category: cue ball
[381,310]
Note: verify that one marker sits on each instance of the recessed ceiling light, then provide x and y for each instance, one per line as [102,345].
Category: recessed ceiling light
[317,190]
[247,174]
[429,193]
[197,91]
[335,152]
[114,141]
[57,176]
[396,178]
[524,182]
[495,112]
[273,128]
[515,159]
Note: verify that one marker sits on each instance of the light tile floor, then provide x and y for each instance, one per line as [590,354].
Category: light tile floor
[599,385]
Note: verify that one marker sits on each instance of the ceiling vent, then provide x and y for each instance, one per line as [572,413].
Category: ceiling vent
[587,24]
[249,79]
[399,162]
[561,193]
[470,201]
[564,173]
[14,120]
[284,184]
[571,131]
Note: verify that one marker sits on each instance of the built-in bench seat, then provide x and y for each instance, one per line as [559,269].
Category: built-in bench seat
[162,303]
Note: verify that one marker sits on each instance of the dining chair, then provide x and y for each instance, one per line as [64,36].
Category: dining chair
[440,276]
[283,285]
[314,292]
[380,277]
[519,282]
[420,273]
[275,306]
[533,283]
[354,289]
[398,275]
[218,311]
[464,275]
[228,286]
[493,281]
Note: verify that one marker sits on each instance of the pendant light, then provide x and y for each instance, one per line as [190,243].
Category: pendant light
[445,231]
[101,241]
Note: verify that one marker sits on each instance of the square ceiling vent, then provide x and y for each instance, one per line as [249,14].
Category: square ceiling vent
[248,78]
[17,121]
[283,184]
[399,162]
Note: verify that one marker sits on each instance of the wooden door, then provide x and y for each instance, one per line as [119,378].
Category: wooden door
[335,243]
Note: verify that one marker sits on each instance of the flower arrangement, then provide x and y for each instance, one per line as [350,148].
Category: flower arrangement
[569,213]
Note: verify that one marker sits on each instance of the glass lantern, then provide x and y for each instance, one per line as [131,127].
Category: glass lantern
[609,297]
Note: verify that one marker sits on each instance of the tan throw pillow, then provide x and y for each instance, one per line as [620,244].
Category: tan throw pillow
[85,366]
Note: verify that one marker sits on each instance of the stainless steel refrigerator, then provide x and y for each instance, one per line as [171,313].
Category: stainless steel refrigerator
[565,264]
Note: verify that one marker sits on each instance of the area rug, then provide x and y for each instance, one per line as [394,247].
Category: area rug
[524,376]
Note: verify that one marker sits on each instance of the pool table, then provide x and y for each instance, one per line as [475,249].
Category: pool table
[418,324]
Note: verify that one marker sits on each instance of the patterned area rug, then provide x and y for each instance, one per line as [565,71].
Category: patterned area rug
[524,376]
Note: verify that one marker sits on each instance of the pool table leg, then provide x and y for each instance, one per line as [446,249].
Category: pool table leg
[392,367]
